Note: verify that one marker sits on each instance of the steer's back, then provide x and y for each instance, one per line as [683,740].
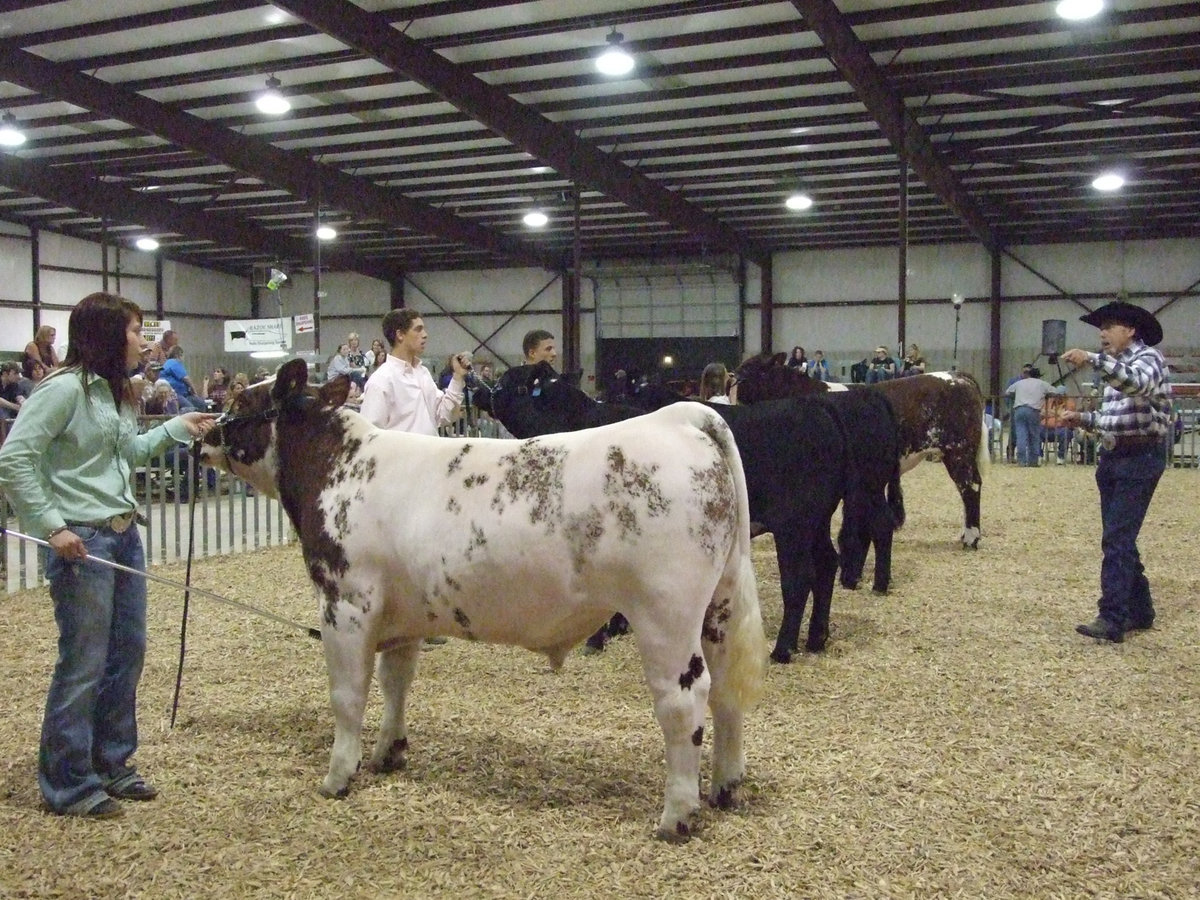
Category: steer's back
[531,542]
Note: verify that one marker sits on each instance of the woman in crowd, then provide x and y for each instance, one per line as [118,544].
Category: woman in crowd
[714,383]
[379,354]
[798,360]
[914,361]
[357,359]
[216,388]
[41,347]
[239,383]
[66,469]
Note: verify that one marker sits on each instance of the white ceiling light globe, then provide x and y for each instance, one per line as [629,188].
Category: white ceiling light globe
[1077,10]
[536,219]
[326,233]
[1109,181]
[146,243]
[798,202]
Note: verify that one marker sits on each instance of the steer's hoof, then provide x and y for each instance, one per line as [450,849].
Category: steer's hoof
[781,655]
[332,794]
[681,833]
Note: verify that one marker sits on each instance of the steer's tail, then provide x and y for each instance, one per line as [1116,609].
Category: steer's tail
[733,627]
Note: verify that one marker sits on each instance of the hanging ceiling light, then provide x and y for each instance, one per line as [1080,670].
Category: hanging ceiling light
[1109,181]
[270,101]
[146,243]
[326,233]
[615,60]
[536,219]
[10,133]
[798,202]
[1078,10]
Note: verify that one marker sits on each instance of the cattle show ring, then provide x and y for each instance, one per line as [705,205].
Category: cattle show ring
[954,738]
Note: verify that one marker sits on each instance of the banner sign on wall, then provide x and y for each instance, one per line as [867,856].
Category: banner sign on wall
[248,335]
[152,329]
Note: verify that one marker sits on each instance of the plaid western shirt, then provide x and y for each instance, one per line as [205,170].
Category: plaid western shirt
[1137,394]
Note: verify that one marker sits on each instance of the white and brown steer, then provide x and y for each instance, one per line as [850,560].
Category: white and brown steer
[533,543]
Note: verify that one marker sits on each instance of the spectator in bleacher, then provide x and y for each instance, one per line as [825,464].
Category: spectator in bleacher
[162,400]
[262,373]
[818,368]
[146,384]
[914,361]
[378,354]
[174,374]
[159,351]
[239,383]
[216,389]
[356,357]
[10,397]
[798,360]
[714,383]
[338,364]
[881,366]
[32,372]
[41,347]
[1054,424]
[1028,397]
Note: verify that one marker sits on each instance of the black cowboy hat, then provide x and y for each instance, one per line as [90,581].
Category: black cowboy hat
[1149,331]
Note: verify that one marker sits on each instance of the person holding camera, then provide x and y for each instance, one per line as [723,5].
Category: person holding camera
[401,395]
[1028,396]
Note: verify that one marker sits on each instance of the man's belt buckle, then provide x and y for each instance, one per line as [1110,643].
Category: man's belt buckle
[1108,441]
[120,524]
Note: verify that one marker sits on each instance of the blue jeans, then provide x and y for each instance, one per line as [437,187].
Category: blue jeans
[89,731]
[1027,432]
[1126,486]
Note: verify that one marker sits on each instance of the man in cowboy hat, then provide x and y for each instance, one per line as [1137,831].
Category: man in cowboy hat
[1133,424]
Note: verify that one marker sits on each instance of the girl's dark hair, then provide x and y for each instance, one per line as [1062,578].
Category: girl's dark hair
[96,341]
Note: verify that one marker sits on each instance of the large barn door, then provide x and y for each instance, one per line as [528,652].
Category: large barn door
[666,322]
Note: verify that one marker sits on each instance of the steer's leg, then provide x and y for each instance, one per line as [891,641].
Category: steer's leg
[348,658]
[793,552]
[396,668]
[679,683]
[964,472]
[825,563]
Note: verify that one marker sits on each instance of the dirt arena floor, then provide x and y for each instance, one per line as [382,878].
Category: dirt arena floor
[957,739]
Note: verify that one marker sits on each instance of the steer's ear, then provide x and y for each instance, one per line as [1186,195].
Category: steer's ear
[290,381]
[335,392]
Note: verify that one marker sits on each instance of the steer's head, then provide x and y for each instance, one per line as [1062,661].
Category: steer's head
[245,439]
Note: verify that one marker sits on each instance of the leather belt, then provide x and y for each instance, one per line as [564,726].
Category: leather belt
[1130,443]
[119,524]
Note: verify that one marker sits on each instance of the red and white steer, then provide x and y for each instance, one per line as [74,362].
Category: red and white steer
[533,543]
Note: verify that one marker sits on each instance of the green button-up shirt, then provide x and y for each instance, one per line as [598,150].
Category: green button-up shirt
[70,455]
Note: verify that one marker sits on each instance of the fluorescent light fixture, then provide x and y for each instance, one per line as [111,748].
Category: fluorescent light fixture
[270,101]
[1109,181]
[615,60]
[536,219]
[10,133]
[798,202]
[1078,10]
[146,243]
[326,233]
[268,354]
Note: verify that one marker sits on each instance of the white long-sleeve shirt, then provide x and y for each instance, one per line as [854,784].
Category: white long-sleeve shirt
[400,397]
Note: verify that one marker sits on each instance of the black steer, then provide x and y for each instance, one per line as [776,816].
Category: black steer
[797,469]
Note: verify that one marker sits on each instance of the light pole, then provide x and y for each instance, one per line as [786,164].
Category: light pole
[958,300]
